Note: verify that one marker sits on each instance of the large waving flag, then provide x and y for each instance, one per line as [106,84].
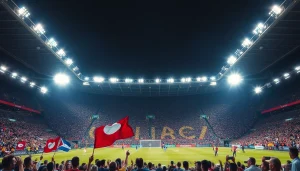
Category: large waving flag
[52,145]
[108,134]
[64,146]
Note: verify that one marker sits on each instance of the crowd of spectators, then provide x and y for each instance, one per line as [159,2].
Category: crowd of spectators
[19,126]
[268,164]
[280,129]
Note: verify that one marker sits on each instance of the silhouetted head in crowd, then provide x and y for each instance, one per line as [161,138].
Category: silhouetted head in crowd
[113,166]
[293,152]
[178,164]
[9,162]
[164,168]
[28,163]
[172,163]
[149,165]
[233,167]
[204,165]
[251,162]
[265,166]
[159,165]
[118,162]
[100,163]
[198,166]
[275,164]
[75,162]
[50,166]
[185,165]
[139,163]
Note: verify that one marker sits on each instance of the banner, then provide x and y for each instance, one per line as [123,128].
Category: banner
[238,146]
[281,106]
[259,147]
[189,145]
[20,107]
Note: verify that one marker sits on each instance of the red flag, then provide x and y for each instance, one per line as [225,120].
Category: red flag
[21,145]
[108,134]
[52,145]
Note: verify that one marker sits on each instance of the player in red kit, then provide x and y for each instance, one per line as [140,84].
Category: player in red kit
[216,150]
[234,151]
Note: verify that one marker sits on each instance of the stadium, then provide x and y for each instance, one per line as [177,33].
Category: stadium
[172,85]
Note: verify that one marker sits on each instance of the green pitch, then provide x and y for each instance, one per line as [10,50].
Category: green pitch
[157,155]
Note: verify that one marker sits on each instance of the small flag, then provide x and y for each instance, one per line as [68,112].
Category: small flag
[108,134]
[21,145]
[52,145]
[64,146]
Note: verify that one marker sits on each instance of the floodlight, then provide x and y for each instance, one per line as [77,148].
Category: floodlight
[61,79]
[79,74]
[61,53]
[51,43]
[97,79]
[188,79]
[231,60]
[259,29]
[204,79]
[69,61]
[23,12]
[157,80]
[128,80]
[14,75]
[198,79]
[297,69]
[86,78]
[276,80]
[75,68]
[113,80]
[212,78]
[23,79]
[44,90]
[3,69]
[141,80]
[234,79]
[276,10]
[31,84]
[170,80]
[39,29]
[86,83]
[213,83]
[286,75]
[247,43]
[257,90]
[182,80]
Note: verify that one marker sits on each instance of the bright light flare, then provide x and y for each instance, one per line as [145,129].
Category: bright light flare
[113,80]
[14,75]
[128,80]
[3,69]
[61,79]
[39,29]
[213,83]
[259,29]
[170,80]
[23,79]
[234,79]
[257,90]
[86,83]
[141,80]
[231,60]
[61,53]
[276,10]
[75,68]
[96,79]
[44,90]
[213,78]
[276,80]
[51,43]
[69,61]
[23,12]
[32,84]
[297,69]
[247,43]
[286,75]
[157,80]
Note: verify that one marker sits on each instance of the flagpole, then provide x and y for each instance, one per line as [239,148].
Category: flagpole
[57,147]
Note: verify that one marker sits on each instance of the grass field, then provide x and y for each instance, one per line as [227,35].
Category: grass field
[157,155]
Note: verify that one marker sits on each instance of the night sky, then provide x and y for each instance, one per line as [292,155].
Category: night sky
[149,38]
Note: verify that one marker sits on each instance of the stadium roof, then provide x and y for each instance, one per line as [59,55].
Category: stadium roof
[18,42]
